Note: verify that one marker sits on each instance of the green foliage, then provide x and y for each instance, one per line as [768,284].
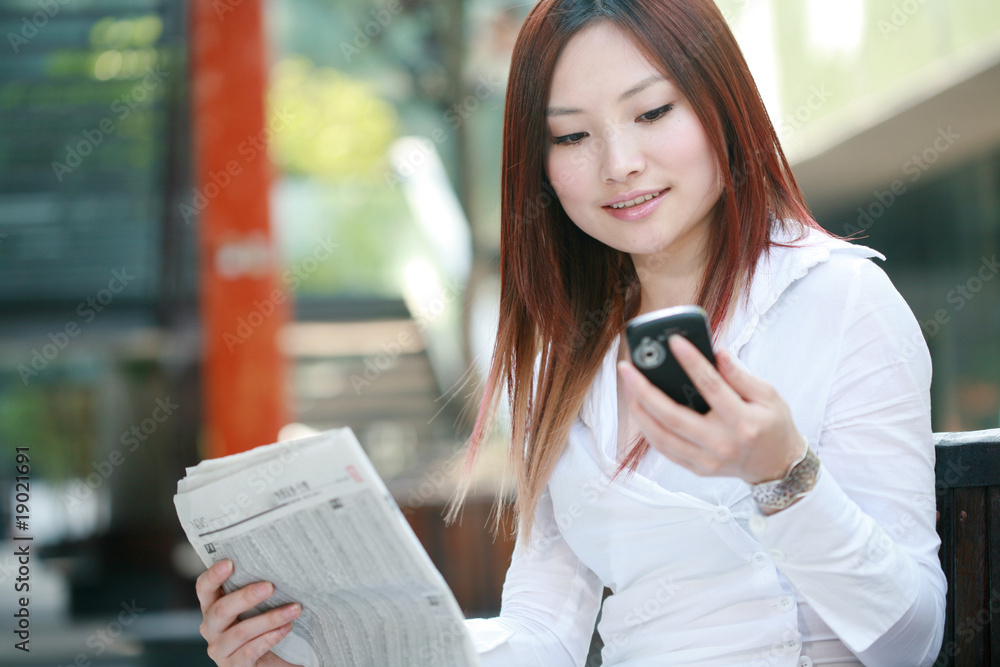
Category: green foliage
[338,127]
[56,421]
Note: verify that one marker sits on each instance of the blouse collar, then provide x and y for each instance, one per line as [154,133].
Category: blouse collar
[777,270]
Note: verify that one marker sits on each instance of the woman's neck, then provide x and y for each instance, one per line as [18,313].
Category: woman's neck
[668,280]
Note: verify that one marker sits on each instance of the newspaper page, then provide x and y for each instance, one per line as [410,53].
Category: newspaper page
[313,517]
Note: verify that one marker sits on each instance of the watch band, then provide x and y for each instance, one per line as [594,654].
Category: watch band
[797,482]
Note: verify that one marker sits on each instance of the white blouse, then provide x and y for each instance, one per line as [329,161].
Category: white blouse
[699,576]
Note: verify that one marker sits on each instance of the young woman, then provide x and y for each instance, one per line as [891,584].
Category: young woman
[792,524]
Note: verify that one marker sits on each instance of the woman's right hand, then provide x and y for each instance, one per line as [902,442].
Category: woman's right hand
[247,643]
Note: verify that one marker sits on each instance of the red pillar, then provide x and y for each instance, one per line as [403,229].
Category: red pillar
[243,304]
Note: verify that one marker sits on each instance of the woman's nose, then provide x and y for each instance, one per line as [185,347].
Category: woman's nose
[623,157]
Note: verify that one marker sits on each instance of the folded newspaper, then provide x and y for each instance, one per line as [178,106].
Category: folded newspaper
[312,516]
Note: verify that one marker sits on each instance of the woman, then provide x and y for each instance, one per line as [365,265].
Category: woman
[793,524]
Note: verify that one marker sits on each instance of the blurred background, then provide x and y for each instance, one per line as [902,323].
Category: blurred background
[224,220]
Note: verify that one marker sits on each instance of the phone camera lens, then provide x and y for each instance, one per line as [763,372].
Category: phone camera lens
[649,353]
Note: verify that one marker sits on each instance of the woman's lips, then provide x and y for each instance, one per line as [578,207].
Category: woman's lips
[639,210]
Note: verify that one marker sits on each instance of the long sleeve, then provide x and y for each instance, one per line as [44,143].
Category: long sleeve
[549,606]
[862,547]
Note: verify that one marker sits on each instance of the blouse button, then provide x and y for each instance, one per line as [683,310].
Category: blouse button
[759,559]
[758,523]
[777,555]
[805,661]
[722,514]
[786,603]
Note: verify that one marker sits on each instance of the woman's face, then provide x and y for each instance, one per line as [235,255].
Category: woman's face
[621,133]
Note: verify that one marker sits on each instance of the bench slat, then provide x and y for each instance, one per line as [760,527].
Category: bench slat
[967,471]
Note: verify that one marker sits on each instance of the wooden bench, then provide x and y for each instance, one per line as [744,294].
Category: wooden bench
[968,501]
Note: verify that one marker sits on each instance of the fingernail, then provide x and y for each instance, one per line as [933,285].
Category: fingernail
[223,566]
[292,611]
[263,589]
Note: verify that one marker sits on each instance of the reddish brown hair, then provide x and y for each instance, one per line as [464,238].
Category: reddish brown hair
[565,296]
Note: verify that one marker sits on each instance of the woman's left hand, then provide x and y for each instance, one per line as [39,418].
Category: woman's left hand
[748,433]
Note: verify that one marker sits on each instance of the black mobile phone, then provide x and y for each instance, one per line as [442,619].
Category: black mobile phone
[647,340]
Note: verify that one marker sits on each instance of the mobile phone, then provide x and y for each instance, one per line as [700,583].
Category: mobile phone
[647,340]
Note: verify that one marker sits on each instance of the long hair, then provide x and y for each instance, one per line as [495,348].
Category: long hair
[564,295]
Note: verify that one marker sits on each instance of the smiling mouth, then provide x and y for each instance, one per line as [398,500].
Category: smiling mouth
[635,202]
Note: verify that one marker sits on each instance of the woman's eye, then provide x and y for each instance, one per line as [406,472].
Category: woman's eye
[569,139]
[656,114]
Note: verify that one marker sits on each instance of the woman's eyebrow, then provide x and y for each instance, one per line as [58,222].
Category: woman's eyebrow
[639,87]
[634,90]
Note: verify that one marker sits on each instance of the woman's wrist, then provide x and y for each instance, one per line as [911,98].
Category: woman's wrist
[797,482]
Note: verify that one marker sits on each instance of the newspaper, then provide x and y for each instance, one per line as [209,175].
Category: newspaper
[313,517]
